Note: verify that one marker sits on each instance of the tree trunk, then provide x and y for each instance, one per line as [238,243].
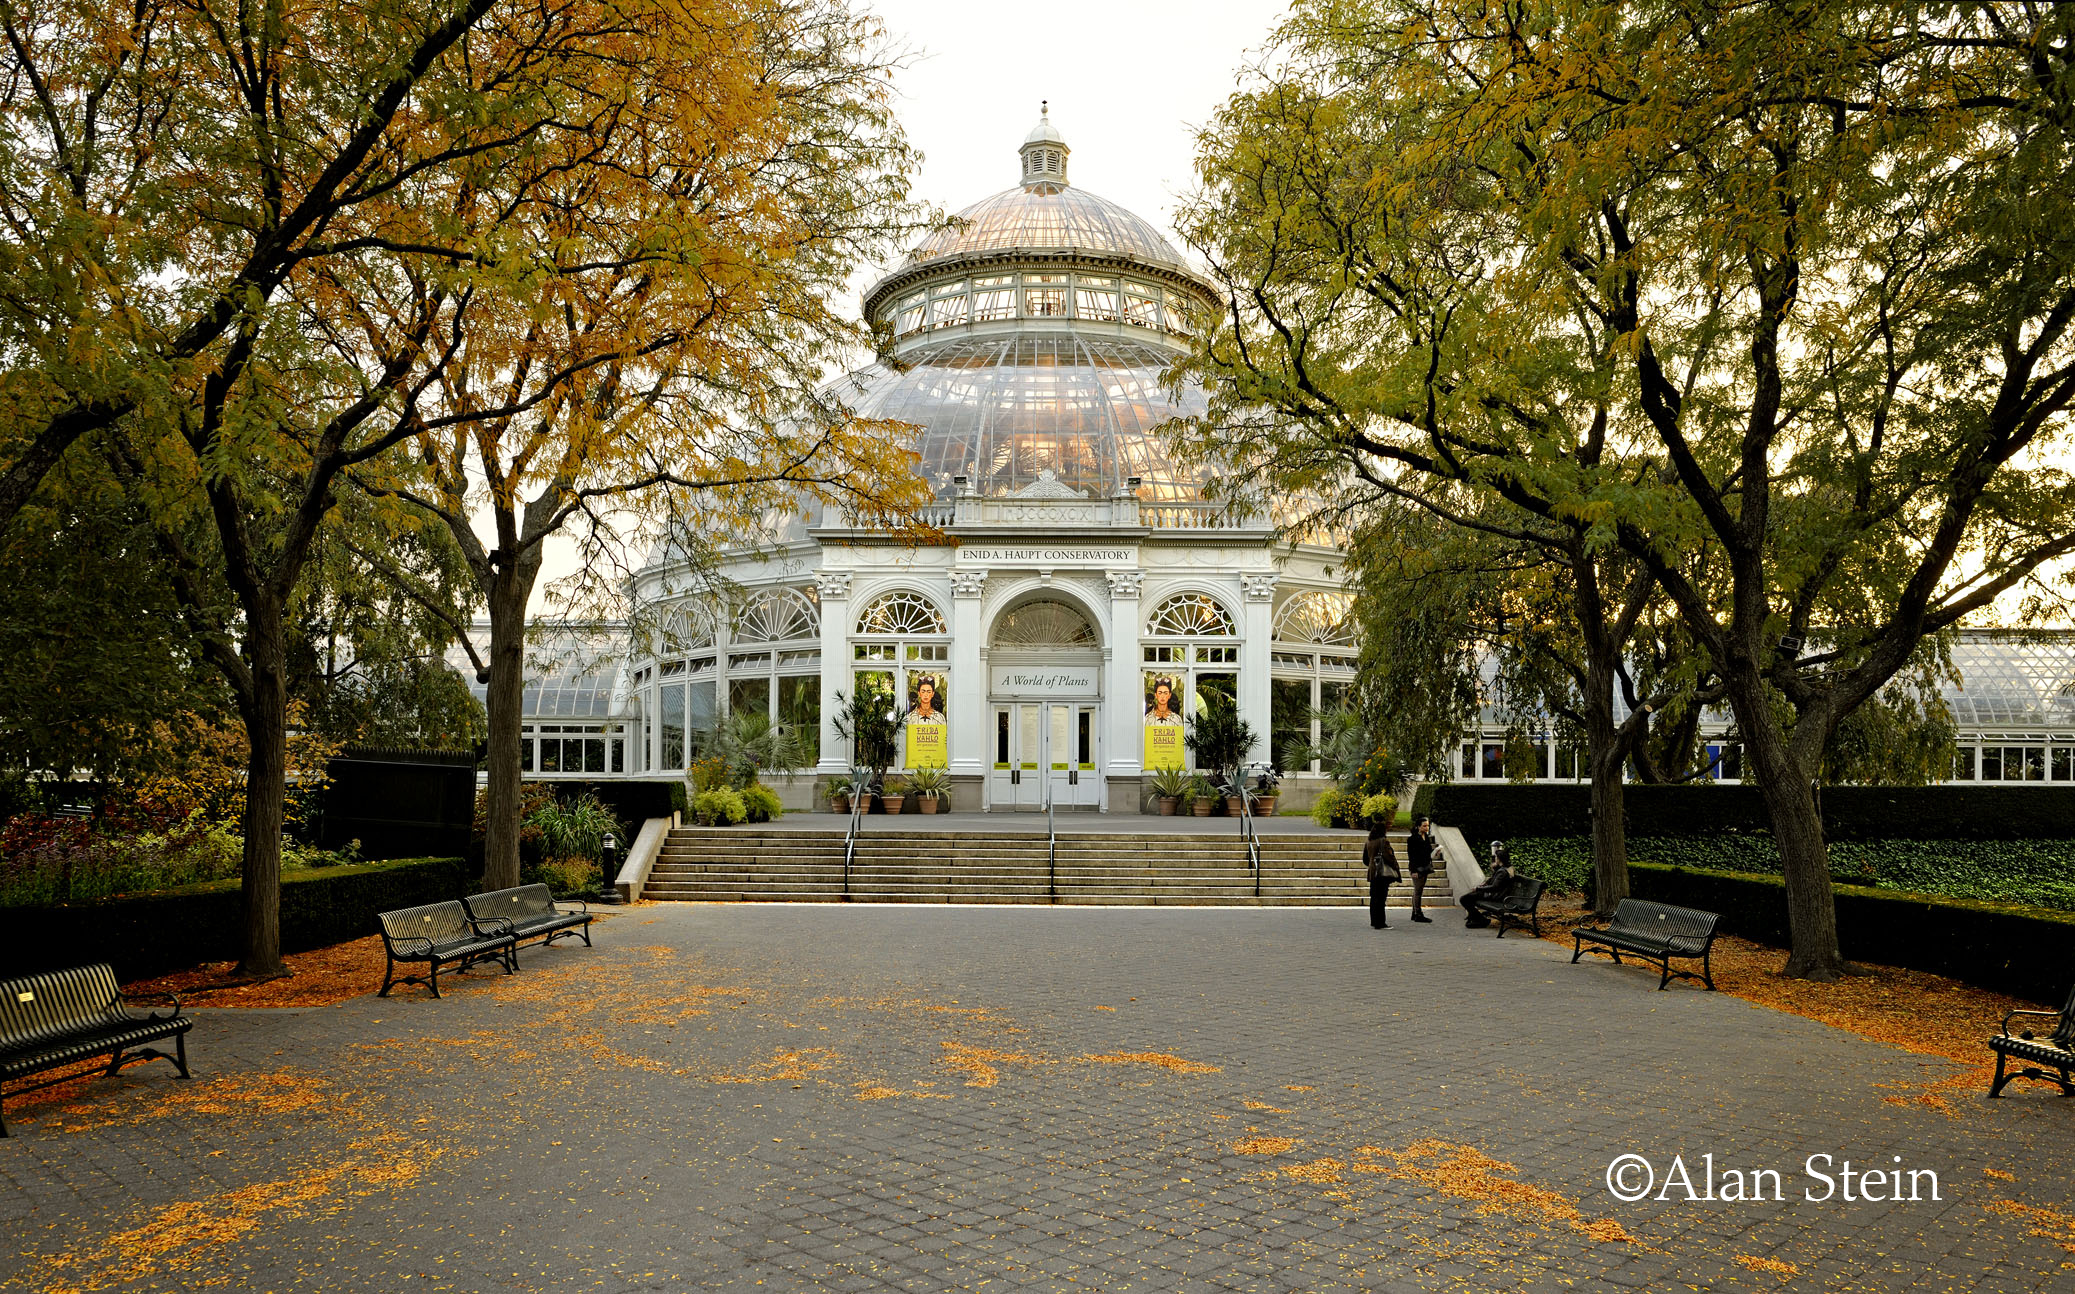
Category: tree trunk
[510,588]
[1609,827]
[264,710]
[1790,799]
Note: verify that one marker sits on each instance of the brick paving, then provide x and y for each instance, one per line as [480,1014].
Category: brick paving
[897,1098]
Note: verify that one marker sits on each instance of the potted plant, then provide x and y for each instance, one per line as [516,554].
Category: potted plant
[929,786]
[839,795]
[895,795]
[1170,785]
[870,724]
[1220,740]
[1235,798]
[1266,792]
[1201,796]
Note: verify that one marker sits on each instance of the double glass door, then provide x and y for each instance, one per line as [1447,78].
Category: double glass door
[1042,746]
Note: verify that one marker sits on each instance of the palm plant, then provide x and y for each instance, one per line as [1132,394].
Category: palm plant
[869,723]
[1220,740]
[750,745]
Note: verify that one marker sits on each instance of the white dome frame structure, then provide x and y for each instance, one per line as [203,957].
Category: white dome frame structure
[1028,344]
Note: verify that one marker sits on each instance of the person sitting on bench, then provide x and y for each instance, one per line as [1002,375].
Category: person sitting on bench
[1494,885]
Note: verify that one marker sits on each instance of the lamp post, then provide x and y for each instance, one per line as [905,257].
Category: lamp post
[609,860]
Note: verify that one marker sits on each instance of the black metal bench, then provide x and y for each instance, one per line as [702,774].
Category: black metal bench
[2056,1051]
[531,912]
[59,1018]
[443,934]
[1518,902]
[1655,932]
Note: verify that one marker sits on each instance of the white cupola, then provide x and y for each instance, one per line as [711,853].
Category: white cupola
[1044,154]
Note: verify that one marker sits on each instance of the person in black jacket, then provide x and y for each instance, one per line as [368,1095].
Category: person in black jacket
[1381,862]
[1419,854]
[1493,887]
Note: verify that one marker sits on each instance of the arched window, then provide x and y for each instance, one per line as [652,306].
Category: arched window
[1045,623]
[901,641]
[1194,615]
[1319,618]
[901,614]
[1191,645]
[774,662]
[777,615]
[1312,666]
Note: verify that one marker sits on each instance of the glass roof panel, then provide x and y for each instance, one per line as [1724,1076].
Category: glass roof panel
[1000,411]
[1069,218]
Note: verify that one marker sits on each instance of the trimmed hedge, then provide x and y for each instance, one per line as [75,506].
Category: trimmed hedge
[150,934]
[2002,947]
[1849,812]
[2040,873]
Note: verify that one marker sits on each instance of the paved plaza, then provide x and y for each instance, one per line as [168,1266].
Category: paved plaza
[896,1098]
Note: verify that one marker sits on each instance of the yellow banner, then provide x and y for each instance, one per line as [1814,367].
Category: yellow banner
[929,743]
[1163,745]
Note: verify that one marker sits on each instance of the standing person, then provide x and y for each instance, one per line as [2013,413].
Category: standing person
[1381,862]
[1419,855]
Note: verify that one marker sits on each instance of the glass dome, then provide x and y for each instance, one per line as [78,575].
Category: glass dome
[1068,219]
[1003,411]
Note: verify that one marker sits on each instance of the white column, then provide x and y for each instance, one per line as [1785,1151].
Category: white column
[1121,687]
[970,723]
[1256,629]
[834,587]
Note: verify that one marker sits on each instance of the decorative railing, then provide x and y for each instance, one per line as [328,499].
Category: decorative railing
[1190,516]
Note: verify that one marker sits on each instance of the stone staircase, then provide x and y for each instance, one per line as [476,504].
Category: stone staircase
[776,865]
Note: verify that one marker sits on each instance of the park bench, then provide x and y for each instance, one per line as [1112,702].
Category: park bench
[532,912]
[2056,1051]
[58,1018]
[1517,902]
[442,934]
[1655,932]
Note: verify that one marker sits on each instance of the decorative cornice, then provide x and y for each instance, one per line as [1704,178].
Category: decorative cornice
[1259,588]
[832,585]
[968,584]
[1125,584]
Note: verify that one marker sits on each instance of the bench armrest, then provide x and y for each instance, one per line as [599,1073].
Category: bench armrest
[408,945]
[2051,1015]
[127,999]
[492,925]
[564,906]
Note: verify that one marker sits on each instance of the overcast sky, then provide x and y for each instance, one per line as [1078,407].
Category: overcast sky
[1129,81]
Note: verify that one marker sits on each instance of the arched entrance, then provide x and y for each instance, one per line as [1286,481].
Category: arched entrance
[1044,674]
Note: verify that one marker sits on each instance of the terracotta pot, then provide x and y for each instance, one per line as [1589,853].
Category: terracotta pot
[1265,806]
[926,803]
[1168,805]
[893,803]
[1235,805]
[839,804]
[1202,807]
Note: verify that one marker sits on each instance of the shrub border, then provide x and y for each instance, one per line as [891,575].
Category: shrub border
[150,934]
[2003,947]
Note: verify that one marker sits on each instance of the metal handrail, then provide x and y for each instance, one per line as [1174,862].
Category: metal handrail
[857,816]
[1051,842]
[1248,835]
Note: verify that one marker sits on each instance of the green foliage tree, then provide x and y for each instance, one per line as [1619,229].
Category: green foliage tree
[743,162]
[1803,271]
[93,650]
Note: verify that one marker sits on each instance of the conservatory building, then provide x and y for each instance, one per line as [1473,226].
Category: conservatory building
[1087,596]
